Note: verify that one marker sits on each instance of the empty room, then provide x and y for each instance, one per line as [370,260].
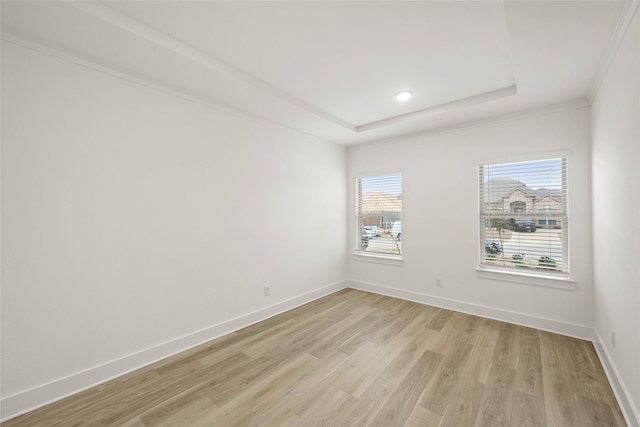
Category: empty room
[320,213]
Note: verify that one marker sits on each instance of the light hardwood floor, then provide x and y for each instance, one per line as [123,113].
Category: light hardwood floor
[358,359]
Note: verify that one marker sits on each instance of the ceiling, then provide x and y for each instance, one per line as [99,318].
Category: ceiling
[331,69]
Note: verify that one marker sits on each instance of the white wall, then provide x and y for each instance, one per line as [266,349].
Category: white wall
[440,219]
[616,218]
[136,223]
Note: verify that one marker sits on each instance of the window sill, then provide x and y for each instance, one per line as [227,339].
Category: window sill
[378,258]
[526,278]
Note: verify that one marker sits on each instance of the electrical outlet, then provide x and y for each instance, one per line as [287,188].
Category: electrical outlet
[267,290]
[438,282]
[613,338]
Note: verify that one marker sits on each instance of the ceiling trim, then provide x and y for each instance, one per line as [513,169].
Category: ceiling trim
[486,121]
[188,52]
[441,108]
[619,35]
[139,29]
[63,55]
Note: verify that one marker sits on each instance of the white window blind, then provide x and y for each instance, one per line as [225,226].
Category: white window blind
[379,210]
[523,217]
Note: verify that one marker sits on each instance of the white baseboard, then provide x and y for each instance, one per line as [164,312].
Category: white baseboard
[20,403]
[564,328]
[628,408]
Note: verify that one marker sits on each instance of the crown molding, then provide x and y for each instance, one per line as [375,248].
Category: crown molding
[188,52]
[486,121]
[441,108]
[619,35]
[64,55]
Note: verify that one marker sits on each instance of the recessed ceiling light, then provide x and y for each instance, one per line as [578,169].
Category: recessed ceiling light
[405,95]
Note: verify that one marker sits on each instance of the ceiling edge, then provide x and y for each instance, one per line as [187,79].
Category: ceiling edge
[66,56]
[619,35]
[491,120]
[187,51]
[139,29]
[441,108]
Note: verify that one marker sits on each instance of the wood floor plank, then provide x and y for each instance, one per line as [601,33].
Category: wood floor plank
[396,371]
[591,377]
[327,411]
[284,418]
[479,363]
[251,404]
[303,395]
[271,361]
[197,385]
[438,321]
[557,374]
[528,411]
[561,410]
[330,402]
[396,326]
[229,341]
[327,346]
[372,326]
[355,358]
[362,411]
[315,325]
[421,417]
[464,405]
[559,382]
[135,422]
[439,391]
[354,314]
[251,343]
[190,413]
[529,368]
[257,342]
[595,413]
[470,328]
[420,321]
[468,390]
[352,376]
[448,333]
[376,364]
[507,349]
[116,410]
[402,402]
[601,377]
[497,400]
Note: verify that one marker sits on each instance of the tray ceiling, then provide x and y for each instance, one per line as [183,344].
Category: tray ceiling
[331,69]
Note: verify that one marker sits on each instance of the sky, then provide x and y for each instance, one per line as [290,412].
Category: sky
[390,184]
[535,174]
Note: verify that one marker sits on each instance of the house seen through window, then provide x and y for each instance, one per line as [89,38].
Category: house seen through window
[523,216]
[379,229]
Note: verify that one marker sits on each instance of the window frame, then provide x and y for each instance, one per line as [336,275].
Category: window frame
[370,256]
[562,279]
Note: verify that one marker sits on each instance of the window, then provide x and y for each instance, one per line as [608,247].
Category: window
[379,210]
[523,217]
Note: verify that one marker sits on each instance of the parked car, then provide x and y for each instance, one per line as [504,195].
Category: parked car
[522,224]
[370,230]
[492,247]
[396,230]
